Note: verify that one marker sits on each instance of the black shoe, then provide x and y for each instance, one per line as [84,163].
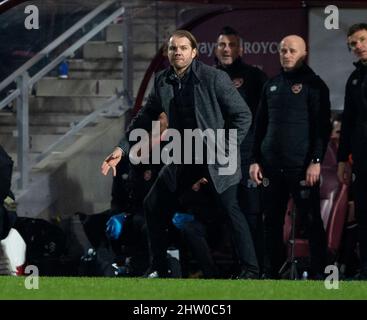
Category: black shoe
[155,274]
[317,276]
[245,273]
[151,275]
[362,275]
[268,276]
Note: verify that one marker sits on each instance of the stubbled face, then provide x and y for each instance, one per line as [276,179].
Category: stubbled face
[358,44]
[292,53]
[180,53]
[228,49]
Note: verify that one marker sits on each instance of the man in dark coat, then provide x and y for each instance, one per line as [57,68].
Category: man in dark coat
[197,97]
[249,82]
[6,168]
[292,130]
[353,136]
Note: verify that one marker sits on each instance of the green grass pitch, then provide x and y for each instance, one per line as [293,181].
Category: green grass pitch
[83,288]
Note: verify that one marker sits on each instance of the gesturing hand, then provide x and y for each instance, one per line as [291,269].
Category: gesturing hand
[111,161]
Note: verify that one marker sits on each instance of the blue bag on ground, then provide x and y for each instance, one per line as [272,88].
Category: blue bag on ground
[180,219]
[115,226]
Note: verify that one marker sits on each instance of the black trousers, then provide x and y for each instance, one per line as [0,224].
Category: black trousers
[5,223]
[160,205]
[2,223]
[250,204]
[360,198]
[195,236]
[282,185]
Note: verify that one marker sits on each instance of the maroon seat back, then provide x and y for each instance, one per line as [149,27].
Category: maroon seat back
[333,207]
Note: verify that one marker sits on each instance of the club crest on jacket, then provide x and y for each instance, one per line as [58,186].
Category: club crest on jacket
[296,88]
[238,82]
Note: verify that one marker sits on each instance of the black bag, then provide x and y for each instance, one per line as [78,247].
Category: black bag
[94,226]
[97,263]
[43,239]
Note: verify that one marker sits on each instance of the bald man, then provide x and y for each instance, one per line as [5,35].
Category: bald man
[292,129]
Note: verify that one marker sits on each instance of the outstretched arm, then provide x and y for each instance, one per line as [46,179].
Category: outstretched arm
[150,112]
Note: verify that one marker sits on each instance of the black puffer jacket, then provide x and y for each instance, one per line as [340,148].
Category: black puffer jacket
[293,122]
[353,138]
[250,81]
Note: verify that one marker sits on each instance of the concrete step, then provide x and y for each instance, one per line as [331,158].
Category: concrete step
[7,119]
[97,65]
[31,158]
[106,65]
[149,15]
[46,119]
[35,129]
[164,12]
[145,51]
[68,179]
[142,32]
[138,21]
[37,142]
[104,50]
[95,74]
[114,32]
[82,105]
[112,75]
[54,87]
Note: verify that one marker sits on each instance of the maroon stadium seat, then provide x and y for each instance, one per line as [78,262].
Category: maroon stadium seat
[333,205]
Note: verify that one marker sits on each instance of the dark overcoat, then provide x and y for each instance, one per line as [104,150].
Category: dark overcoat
[218,105]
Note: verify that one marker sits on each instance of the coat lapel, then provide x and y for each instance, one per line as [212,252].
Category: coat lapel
[166,95]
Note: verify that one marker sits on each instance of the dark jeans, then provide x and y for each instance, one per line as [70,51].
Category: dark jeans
[282,184]
[160,205]
[360,198]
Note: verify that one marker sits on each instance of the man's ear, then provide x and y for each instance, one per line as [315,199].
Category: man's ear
[194,53]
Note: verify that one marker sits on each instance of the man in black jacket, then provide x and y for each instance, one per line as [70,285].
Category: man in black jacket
[6,168]
[353,137]
[249,82]
[193,96]
[291,135]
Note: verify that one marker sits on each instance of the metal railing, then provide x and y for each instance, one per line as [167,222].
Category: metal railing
[25,84]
